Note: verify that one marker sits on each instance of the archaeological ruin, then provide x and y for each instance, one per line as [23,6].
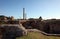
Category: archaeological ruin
[18,27]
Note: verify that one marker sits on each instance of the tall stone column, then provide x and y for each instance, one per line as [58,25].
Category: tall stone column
[24,14]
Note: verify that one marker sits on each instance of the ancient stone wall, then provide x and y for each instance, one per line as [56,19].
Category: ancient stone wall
[48,26]
[55,26]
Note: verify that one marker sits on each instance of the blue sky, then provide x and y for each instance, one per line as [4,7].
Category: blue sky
[33,8]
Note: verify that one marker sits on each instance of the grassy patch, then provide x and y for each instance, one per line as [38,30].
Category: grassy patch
[36,35]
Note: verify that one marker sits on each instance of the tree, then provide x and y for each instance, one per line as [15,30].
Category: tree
[40,18]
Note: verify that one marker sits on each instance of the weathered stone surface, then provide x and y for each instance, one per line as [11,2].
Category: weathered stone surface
[13,31]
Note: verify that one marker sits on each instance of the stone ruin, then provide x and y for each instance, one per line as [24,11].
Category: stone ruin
[12,31]
[48,26]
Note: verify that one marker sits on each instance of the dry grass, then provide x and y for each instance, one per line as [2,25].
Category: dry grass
[36,35]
